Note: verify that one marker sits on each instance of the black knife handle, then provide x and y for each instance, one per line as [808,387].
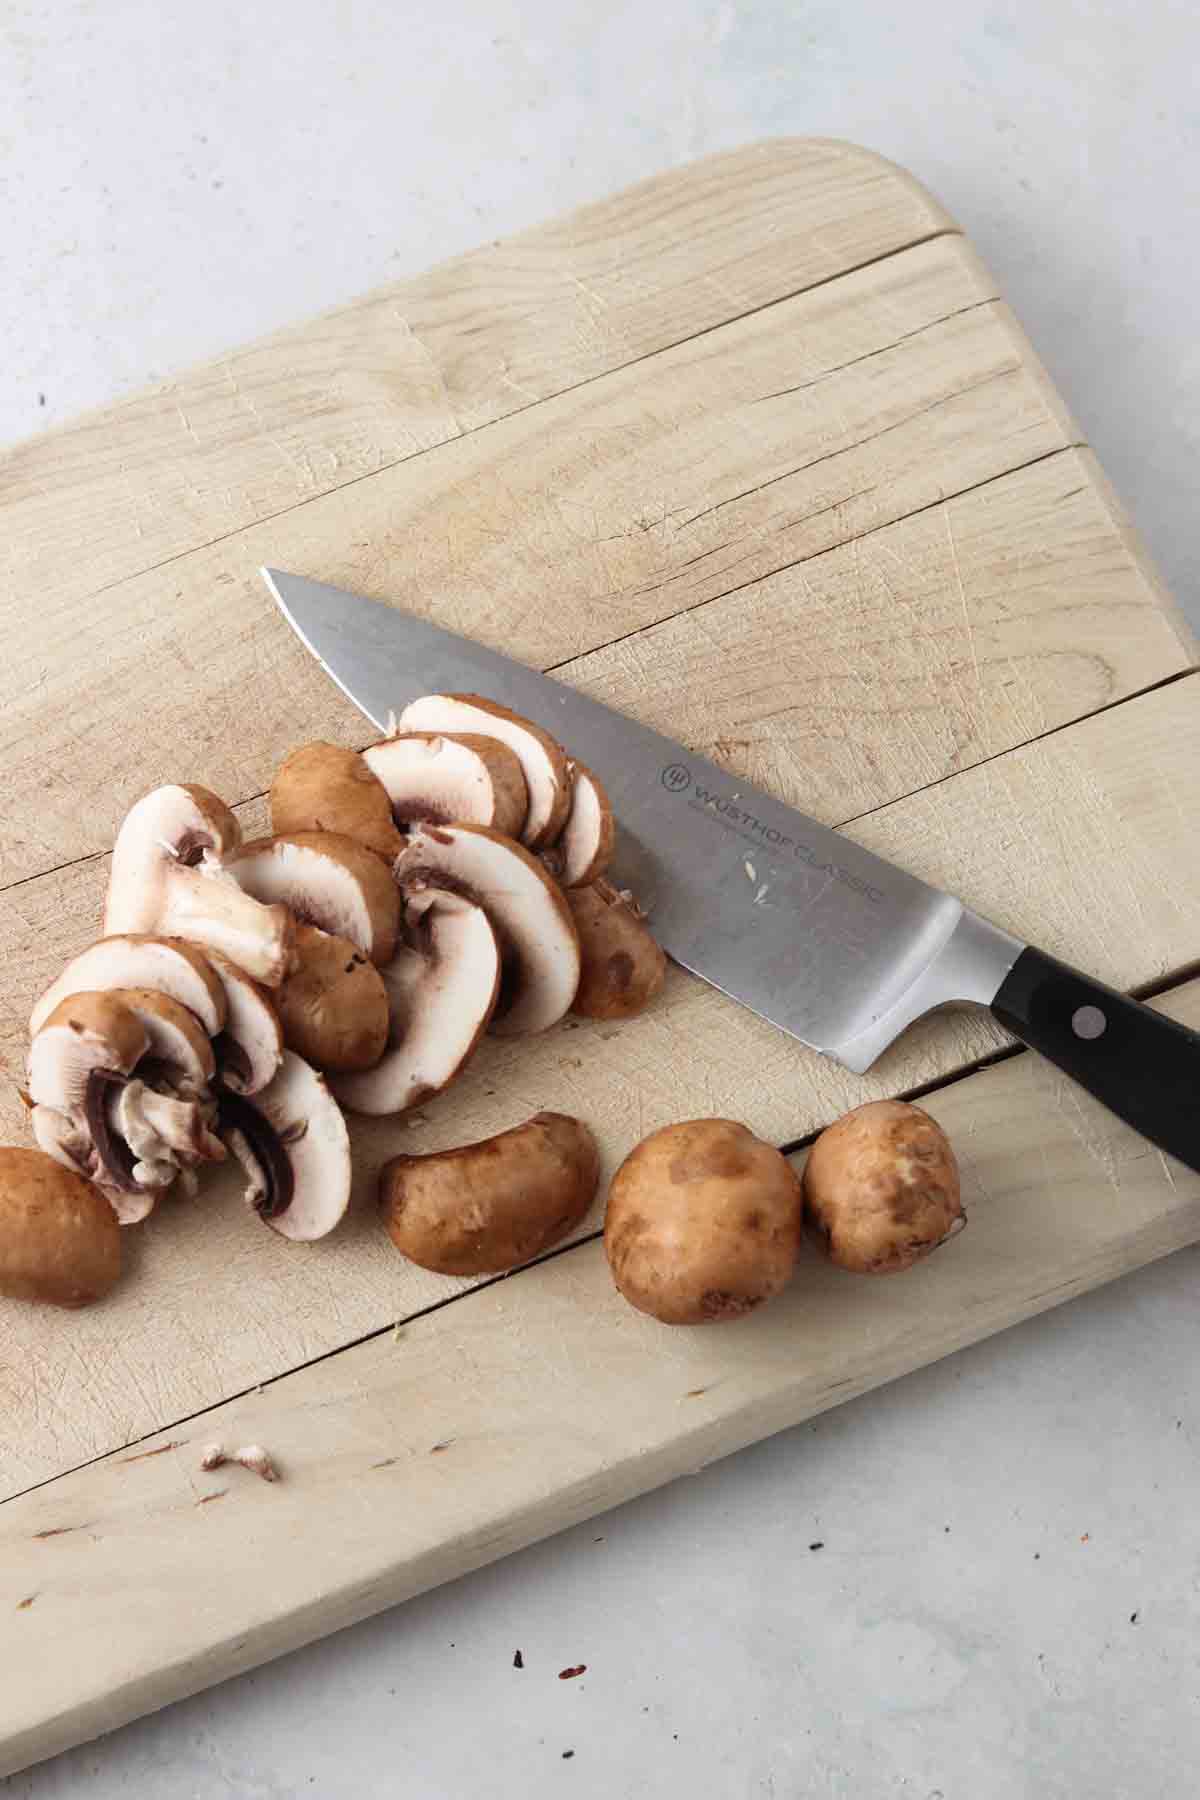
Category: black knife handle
[1142,1065]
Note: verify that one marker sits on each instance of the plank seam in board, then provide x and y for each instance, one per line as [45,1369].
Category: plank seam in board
[517,412]
[1006,1053]
[92,856]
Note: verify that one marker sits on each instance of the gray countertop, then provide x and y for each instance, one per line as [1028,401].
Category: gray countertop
[982,1582]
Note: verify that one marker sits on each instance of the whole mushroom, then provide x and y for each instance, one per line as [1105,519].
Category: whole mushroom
[703,1223]
[881,1188]
[59,1239]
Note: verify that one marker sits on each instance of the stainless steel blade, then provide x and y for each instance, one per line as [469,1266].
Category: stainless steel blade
[794,920]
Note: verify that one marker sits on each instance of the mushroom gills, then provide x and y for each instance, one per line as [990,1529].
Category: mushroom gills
[292,1141]
[442,987]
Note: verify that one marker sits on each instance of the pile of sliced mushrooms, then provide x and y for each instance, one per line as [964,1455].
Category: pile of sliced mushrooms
[448,881]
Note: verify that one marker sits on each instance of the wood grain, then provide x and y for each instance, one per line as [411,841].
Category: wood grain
[523,1409]
[584,519]
[329,401]
[754,452]
[1020,838]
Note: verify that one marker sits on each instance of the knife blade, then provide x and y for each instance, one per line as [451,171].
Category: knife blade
[792,919]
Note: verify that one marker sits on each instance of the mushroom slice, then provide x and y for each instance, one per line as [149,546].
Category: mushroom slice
[539,947]
[543,761]
[322,787]
[168,876]
[63,1138]
[136,961]
[86,1035]
[326,880]
[443,777]
[292,1141]
[179,1045]
[584,850]
[249,1047]
[442,986]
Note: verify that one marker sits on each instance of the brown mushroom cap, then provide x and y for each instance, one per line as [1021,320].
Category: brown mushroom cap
[168,876]
[881,1188]
[177,1040]
[447,776]
[492,1205]
[326,880]
[249,1047]
[291,1138]
[334,1006]
[585,846]
[322,787]
[538,943]
[59,1240]
[623,967]
[703,1223]
[442,986]
[133,960]
[543,761]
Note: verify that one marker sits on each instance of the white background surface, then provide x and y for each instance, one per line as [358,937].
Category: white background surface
[177,178]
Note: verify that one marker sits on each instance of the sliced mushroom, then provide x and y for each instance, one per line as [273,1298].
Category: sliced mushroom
[168,876]
[86,1035]
[334,1006]
[584,850]
[432,775]
[292,1141]
[322,787]
[442,986]
[539,947]
[135,961]
[249,1048]
[326,880]
[91,1114]
[543,761]
[178,1041]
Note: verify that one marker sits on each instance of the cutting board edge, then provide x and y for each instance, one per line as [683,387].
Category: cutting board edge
[324,1397]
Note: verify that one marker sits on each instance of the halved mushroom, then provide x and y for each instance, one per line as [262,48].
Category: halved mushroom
[168,876]
[178,1044]
[539,947]
[543,761]
[442,986]
[322,787]
[291,1139]
[333,1007]
[431,775]
[326,880]
[584,849]
[249,1047]
[167,965]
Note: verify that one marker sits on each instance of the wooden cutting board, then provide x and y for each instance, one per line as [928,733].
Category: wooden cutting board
[756,453]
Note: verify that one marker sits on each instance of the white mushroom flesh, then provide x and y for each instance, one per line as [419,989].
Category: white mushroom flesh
[249,1048]
[136,961]
[538,942]
[429,776]
[585,846]
[543,762]
[442,987]
[318,887]
[309,1129]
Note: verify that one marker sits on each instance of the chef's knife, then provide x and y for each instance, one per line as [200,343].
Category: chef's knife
[792,919]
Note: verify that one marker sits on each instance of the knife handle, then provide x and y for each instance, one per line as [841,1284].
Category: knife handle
[1143,1066]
